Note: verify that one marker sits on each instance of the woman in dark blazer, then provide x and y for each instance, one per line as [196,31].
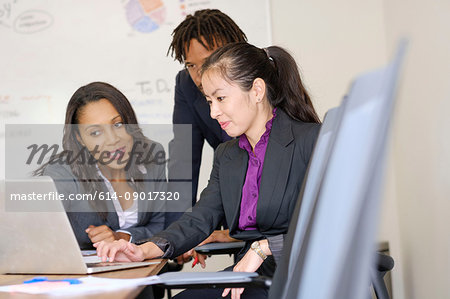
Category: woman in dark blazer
[256,95]
[105,169]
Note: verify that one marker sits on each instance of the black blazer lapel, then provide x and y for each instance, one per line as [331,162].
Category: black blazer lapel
[112,218]
[276,169]
[233,175]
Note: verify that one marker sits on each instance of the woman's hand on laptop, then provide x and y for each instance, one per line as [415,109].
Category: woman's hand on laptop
[119,251]
[123,251]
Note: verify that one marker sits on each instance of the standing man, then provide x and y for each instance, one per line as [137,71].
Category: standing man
[197,37]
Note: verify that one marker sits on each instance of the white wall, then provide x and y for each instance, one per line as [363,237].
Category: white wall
[422,145]
[333,42]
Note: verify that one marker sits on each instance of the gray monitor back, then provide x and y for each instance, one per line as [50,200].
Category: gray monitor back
[304,207]
[340,248]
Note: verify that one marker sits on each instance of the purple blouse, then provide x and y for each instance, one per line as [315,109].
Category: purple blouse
[250,190]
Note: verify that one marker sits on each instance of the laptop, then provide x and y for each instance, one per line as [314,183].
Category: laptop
[36,236]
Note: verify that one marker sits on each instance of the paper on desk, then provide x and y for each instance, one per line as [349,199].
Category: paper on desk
[90,284]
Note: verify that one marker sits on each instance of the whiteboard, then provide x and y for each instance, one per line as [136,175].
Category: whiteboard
[51,48]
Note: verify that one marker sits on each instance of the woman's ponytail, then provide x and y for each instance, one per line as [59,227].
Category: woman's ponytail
[292,95]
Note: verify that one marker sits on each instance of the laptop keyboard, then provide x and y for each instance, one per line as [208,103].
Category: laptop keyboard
[90,259]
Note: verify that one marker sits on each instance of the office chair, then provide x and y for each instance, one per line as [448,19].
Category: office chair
[384,264]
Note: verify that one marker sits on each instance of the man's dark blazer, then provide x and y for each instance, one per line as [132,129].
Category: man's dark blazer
[81,214]
[287,156]
[190,108]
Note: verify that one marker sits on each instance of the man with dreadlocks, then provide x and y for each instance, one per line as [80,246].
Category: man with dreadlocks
[194,39]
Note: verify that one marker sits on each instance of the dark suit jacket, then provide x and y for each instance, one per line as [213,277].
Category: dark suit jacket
[81,214]
[192,109]
[287,156]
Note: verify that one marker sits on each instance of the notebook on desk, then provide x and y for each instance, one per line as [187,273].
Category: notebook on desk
[41,241]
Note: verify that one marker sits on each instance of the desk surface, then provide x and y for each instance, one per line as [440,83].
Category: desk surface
[9,279]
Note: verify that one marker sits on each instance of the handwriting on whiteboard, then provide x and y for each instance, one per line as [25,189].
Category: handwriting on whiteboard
[32,21]
[150,87]
[11,105]
[27,22]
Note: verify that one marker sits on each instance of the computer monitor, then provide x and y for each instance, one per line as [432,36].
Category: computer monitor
[304,207]
[341,237]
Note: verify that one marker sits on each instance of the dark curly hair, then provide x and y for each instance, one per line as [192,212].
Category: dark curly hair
[213,25]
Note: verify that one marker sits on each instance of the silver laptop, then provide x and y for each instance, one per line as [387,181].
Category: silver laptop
[36,236]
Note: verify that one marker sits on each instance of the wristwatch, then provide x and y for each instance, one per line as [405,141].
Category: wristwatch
[257,248]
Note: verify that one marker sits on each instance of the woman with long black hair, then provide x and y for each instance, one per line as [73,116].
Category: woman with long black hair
[106,162]
[257,96]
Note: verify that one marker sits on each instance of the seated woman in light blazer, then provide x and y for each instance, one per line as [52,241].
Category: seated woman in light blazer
[100,134]
[257,96]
